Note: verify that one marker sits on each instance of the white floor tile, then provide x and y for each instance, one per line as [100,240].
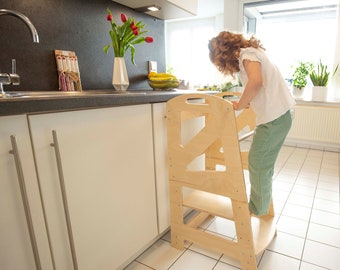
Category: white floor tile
[301,200]
[326,205]
[137,266]
[315,153]
[305,181]
[303,190]
[282,186]
[278,206]
[193,260]
[325,218]
[324,234]
[334,178]
[236,263]
[292,226]
[330,165]
[223,266]
[327,185]
[223,226]
[308,266]
[327,195]
[280,195]
[306,173]
[206,252]
[311,169]
[296,211]
[167,237]
[289,173]
[291,165]
[230,261]
[288,245]
[321,255]
[272,260]
[328,173]
[160,255]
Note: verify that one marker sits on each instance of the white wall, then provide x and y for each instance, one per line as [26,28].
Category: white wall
[232,16]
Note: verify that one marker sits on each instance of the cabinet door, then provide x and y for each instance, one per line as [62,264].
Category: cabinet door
[17,249]
[107,162]
[161,166]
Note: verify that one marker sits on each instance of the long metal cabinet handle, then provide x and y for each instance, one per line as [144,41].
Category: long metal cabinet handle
[25,201]
[55,144]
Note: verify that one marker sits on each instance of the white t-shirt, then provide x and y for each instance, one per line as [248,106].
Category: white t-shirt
[274,98]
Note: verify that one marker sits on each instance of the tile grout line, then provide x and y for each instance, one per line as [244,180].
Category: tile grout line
[290,191]
[311,212]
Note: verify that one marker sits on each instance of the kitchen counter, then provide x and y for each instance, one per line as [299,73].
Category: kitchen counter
[52,101]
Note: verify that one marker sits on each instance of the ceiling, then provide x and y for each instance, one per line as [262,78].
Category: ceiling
[208,8]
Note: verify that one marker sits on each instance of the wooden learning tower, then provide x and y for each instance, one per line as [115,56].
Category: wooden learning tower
[216,187]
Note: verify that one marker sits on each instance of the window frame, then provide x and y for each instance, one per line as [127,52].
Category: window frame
[334,83]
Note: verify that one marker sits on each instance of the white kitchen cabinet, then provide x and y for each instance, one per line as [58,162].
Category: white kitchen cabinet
[19,250]
[106,158]
[161,166]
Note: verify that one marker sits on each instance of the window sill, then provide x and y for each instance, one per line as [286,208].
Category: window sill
[309,101]
[306,99]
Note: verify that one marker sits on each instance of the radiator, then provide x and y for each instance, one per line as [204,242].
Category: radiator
[316,126]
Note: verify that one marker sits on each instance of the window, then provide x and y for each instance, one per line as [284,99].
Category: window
[187,51]
[292,31]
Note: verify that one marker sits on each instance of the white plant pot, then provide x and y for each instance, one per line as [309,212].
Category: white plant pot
[238,89]
[120,79]
[319,93]
[298,92]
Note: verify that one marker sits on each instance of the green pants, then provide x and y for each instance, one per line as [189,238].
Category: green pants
[267,142]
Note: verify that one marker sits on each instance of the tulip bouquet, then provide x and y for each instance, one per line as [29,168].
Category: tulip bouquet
[125,36]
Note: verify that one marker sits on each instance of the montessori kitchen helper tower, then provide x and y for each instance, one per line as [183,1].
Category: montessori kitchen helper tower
[206,175]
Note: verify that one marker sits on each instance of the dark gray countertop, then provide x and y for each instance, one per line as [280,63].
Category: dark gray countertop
[52,101]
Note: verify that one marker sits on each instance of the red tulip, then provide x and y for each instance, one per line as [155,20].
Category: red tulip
[109,17]
[127,35]
[149,39]
[123,17]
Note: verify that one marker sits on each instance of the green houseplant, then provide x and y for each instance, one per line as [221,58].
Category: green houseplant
[299,77]
[320,77]
[300,74]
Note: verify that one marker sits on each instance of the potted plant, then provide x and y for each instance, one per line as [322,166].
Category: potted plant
[299,78]
[320,77]
[124,37]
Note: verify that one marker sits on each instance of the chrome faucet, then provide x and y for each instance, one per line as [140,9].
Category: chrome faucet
[24,19]
[13,78]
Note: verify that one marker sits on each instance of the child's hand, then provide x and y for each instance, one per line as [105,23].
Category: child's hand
[235,105]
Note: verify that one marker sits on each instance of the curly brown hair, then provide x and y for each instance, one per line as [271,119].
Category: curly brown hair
[224,50]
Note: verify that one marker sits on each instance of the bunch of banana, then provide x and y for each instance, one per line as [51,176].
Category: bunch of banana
[162,80]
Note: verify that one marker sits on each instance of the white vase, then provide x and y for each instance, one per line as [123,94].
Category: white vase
[298,92]
[239,89]
[120,79]
[319,93]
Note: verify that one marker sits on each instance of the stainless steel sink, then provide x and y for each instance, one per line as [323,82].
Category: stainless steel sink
[56,94]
